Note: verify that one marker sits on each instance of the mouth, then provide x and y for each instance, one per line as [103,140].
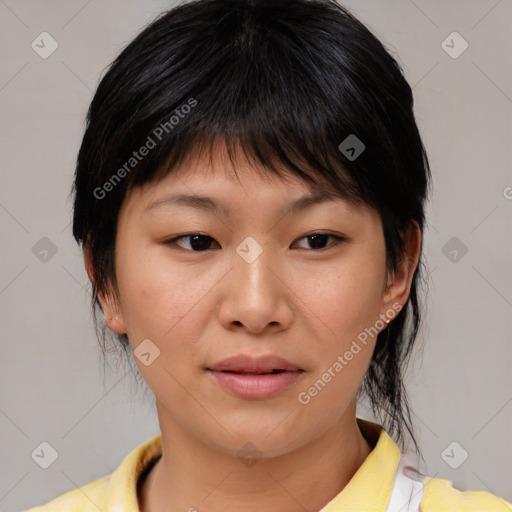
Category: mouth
[252,378]
[273,372]
[263,365]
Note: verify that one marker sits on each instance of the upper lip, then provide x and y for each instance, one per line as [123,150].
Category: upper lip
[249,364]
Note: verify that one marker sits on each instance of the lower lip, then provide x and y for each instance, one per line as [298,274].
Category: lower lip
[256,387]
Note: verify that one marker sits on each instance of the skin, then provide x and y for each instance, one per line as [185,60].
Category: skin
[304,304]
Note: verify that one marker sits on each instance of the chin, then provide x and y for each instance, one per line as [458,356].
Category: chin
[267,439]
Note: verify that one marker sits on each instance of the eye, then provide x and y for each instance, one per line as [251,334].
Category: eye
[197,242]
[318,240]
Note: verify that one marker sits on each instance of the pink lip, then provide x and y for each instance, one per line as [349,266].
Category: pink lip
[248,364]
[256,387]
[251,378]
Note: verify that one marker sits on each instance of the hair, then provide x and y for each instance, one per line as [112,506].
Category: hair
[287,81]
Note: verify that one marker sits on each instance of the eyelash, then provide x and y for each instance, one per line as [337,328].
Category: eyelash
[172,242]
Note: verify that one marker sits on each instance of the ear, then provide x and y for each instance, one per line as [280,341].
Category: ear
[109,305]
[398,287]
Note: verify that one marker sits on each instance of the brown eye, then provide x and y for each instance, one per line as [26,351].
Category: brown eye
[318,240]
[197,242]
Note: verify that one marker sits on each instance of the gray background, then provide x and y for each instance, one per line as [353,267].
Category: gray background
[51,383]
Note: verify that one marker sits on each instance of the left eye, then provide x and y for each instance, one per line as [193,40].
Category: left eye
[318,240]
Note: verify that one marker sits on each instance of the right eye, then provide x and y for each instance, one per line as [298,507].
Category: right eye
[197,242]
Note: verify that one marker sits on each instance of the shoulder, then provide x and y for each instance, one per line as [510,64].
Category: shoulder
[88,498]
[439,495]
[116,491]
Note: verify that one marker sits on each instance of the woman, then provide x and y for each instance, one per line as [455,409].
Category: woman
[223,145]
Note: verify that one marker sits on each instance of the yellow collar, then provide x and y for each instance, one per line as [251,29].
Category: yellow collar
[369,489]
[371,486]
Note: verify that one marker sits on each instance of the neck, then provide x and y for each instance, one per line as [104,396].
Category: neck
[306,478]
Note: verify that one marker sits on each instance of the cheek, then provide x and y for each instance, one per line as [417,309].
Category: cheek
[161,303]
[343,305]
[348,307]
[160,298]
[344,300]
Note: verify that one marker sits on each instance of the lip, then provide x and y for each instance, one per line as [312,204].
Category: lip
[250,378]
[244,363]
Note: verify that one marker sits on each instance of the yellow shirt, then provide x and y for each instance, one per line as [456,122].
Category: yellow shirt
[369,490]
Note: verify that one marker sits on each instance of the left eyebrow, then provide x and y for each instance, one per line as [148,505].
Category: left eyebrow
[210,204]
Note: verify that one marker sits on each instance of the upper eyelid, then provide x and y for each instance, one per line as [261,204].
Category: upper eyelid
[185,235]
[339,238]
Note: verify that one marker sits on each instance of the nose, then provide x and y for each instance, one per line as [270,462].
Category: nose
[256,297]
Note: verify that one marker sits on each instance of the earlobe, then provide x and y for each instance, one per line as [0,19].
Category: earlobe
[112,313]
[397,290]
[113,316]
[109,305]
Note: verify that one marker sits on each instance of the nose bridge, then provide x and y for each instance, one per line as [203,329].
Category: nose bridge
[253,265]
[255,298]
[255,295]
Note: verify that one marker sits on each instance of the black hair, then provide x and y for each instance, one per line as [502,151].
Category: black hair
[300,84]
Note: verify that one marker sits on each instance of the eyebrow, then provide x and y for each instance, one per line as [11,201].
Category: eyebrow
[211,205]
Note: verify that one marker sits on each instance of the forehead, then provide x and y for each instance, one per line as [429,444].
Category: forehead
[225,193]
[233,179]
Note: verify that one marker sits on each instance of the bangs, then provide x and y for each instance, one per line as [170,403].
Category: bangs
[260,80]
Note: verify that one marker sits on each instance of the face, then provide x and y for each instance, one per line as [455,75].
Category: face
[260,278]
